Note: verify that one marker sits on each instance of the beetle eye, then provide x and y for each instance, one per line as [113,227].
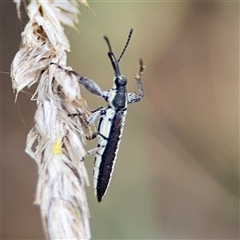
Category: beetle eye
[121,81]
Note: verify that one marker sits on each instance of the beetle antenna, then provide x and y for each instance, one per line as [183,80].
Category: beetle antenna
[126,45]
[112,58]
[108,43]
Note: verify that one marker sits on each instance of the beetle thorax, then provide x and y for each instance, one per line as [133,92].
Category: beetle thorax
[118,94]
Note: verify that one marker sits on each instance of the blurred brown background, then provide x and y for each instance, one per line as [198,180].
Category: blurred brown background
[177,173]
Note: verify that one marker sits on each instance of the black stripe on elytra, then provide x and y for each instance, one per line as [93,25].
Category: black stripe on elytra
[105,138]
[109,154]
[100,123]
[103,114]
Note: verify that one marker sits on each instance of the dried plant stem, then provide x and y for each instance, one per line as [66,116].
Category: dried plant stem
[56,140]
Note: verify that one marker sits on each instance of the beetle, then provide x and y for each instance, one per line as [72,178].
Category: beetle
[112,119]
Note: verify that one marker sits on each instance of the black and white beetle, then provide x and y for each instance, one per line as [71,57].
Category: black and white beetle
[112,119]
